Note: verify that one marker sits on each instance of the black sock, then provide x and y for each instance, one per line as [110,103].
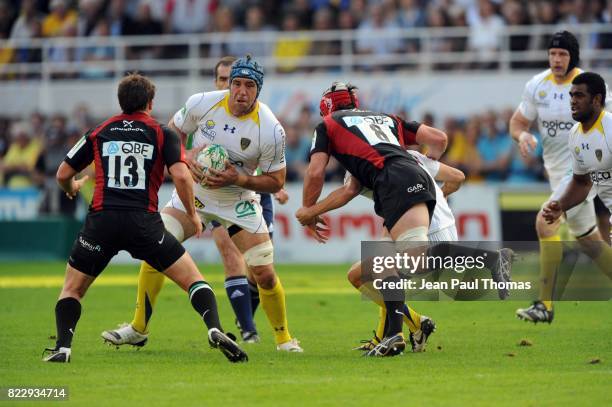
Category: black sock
[395,317]
[67,314]
[254,295]
[385,329]
[203,301]
[394,302]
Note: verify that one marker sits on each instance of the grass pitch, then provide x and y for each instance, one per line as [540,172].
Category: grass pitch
[474,358]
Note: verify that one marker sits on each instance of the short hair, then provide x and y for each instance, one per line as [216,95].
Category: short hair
[594,83]
[225,61]
[135,92]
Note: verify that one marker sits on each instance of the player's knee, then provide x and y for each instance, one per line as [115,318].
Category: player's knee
[411,236]
[173,226]
[543,228]
[354,275]
[264,276]
[259,258]
[417,234]
[260,255]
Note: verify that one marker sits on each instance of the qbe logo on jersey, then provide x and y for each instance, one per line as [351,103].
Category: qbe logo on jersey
[126,163]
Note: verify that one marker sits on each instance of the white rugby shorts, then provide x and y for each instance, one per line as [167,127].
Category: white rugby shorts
[246,214]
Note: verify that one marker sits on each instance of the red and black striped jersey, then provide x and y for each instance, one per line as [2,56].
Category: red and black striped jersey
[362,141]
[129,152]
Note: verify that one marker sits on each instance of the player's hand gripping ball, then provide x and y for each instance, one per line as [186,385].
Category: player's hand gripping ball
[212,156]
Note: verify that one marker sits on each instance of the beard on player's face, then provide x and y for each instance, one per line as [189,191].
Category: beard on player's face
[243,96]
[583,112]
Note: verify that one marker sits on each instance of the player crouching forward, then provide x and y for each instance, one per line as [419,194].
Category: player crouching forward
[253,138]
[441,231]
[367,145]
[590,143]
[442,228]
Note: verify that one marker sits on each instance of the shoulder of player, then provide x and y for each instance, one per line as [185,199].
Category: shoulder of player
[268,120]
[266,115]
[538,79]
[606,124]
[204,101]
[574,130]
[168,131]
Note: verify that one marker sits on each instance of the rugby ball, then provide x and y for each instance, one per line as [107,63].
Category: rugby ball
[212,156]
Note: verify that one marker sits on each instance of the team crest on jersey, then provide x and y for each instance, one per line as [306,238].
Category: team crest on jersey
[598,154]
[207,129]
[245,143]
[542,94]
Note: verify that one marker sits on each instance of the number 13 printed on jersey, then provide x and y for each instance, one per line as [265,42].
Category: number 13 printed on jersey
[126,163]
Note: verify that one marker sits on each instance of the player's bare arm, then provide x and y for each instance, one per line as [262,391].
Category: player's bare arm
[336,199]
[313,185]
[314,178]
[452,178]
[519,130]
[576,192]
[66,179]
[435,139]
[266,182]
[184,187]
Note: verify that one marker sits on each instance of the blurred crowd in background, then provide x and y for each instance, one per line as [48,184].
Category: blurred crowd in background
[485,19]
[32,148]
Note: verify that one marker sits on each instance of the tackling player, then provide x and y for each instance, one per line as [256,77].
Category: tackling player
[367,145]
[546,99]
[253,137]
[441,230]
[591,148]
[130,151]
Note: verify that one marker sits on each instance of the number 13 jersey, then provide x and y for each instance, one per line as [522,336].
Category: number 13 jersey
[362,141]
[129,152]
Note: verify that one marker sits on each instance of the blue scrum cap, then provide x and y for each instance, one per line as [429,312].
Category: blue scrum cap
[247,67]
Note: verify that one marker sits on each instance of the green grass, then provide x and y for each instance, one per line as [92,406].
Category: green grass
[468,360]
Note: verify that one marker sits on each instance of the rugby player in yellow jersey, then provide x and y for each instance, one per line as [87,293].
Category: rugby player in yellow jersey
[253,137]
[546,101]
[590,143]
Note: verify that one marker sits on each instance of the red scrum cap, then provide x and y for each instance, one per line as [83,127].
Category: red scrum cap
[339,96]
